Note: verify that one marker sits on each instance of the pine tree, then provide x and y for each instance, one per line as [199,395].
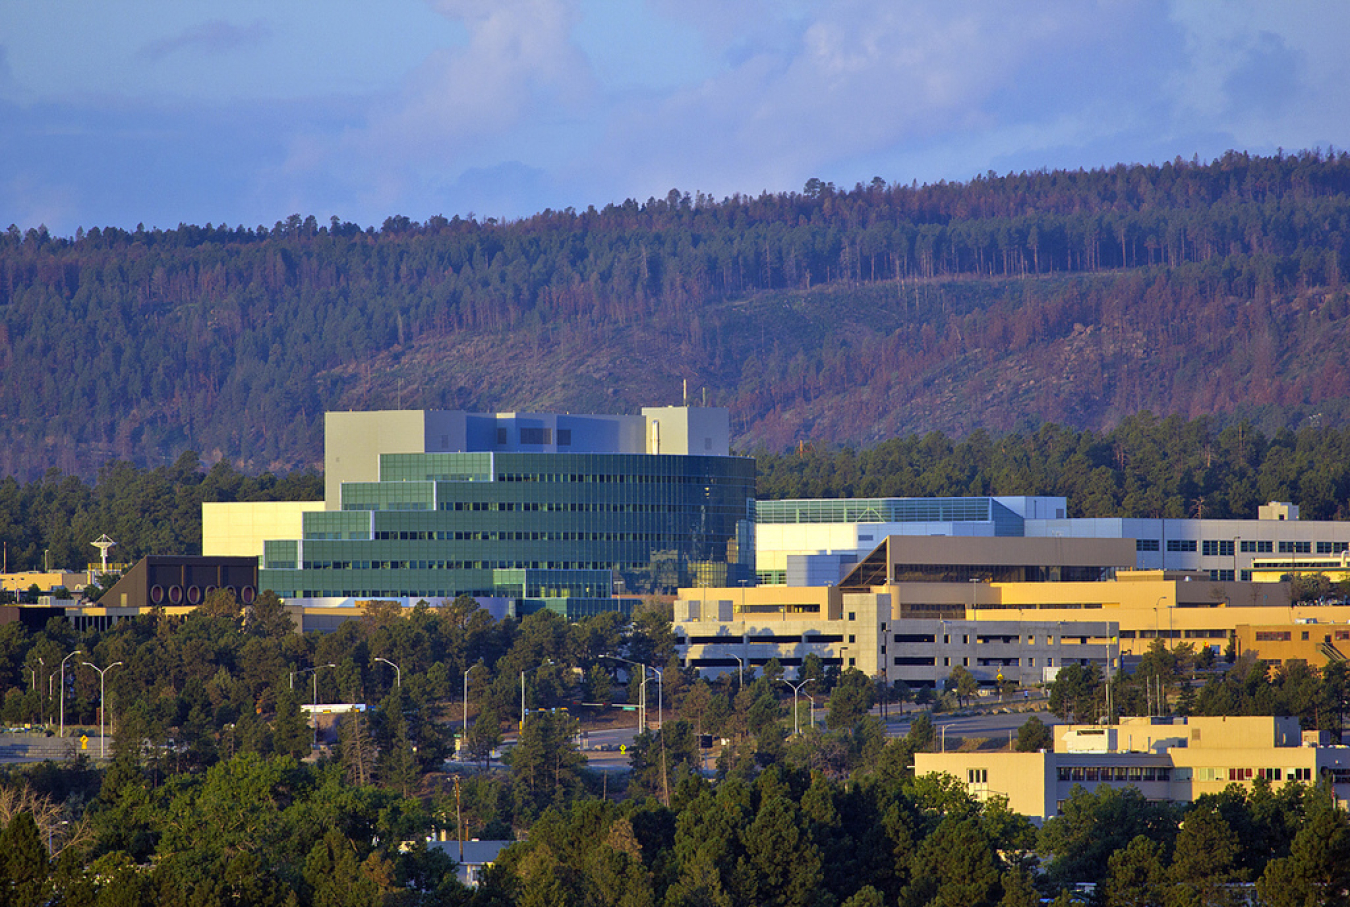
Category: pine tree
[358,749]
[25,863]
[290,733]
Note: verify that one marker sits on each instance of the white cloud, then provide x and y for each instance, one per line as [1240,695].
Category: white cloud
[506,107]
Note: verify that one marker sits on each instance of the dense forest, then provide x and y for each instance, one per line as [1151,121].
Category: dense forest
[213,793]
[829,315]
[1144,467]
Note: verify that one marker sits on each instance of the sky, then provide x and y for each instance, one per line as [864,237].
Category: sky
[160,112]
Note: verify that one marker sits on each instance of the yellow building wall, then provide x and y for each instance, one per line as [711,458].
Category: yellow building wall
[1283,641]
[1025,779]
[786,611]
[22,582]
[1199,612]
[239,529]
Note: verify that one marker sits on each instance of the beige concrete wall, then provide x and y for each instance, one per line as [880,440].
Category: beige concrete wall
[1027,780]
[775,541]
[239,529]
[353,442]
[690,430]
[1148,608]
[736,616]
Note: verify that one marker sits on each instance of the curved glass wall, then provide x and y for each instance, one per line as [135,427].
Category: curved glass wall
[522,525]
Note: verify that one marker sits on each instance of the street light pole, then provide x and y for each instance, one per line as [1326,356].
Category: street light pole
[62,732]
[314,713]
[796,721]
[642,691]
[102,705]
[465,728]
[398,672]
[660,720]
[740,671]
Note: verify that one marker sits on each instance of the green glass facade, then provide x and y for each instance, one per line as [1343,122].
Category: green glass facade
[556,530]
[1004,521]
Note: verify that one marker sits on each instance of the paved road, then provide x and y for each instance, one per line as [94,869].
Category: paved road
[994,725]
[39,747]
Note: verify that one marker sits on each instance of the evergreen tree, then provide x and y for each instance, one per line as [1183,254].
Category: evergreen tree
[24,859]
[291,734]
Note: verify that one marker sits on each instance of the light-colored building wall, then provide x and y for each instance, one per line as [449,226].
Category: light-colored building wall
[1025,780]
[1224,548]
[716,627]
[870,632]
[1149,605]
[1316,641]
[923,653]
[239,529]
[353,442]
[775,542]
[1173,760]
[688,430]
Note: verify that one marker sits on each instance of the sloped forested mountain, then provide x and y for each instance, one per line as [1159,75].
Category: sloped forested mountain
[829,315]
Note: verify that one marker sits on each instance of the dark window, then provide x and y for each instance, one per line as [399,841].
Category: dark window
[1145,544]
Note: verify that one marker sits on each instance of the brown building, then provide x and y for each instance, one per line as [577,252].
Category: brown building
[162,581]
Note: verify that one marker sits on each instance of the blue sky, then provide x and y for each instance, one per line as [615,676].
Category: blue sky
[169,111]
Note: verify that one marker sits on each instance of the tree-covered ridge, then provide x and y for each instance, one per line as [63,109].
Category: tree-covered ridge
[839,315]
[1144,467]
[52,521]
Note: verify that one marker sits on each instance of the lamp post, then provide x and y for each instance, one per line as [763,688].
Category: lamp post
[398,672]
[740,671]
[466,695]
[314,713]
[314,675]
[102,704]
[642,690]
[660,714]
[39,690]
[522,688]
[62,731]
[796,720]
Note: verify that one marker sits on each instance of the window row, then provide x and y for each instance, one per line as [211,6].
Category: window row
[1235,773]
[465,565]
[1127,773]
[605,479]
[562,507]
[461,536]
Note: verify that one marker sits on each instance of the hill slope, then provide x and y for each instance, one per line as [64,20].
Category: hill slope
[836,316]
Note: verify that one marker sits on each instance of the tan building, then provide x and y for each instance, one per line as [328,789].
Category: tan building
[918,628]
[45,581]
[1166,759]
[1318,642]
[909,609]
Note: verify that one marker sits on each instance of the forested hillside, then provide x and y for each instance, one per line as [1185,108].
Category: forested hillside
[828,315]
[1145,467]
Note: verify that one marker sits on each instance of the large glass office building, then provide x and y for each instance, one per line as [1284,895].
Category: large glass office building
[558,511]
